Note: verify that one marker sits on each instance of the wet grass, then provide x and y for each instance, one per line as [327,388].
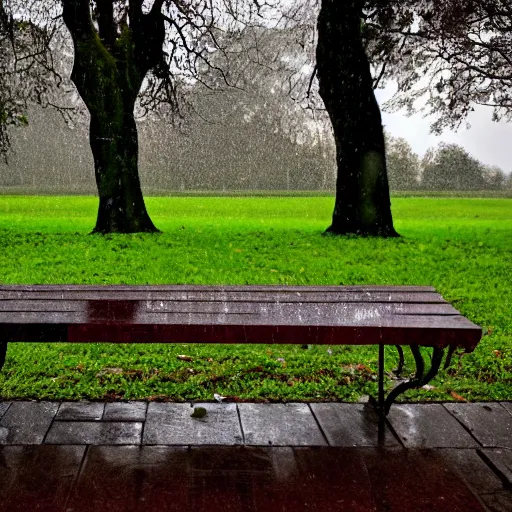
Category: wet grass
[463,247]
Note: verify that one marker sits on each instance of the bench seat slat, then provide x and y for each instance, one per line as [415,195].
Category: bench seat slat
[249,288]
[283,316]
[122,308]
[230,296]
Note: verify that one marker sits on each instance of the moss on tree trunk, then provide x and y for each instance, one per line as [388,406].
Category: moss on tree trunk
[115,151]
[108,80]
[362,204]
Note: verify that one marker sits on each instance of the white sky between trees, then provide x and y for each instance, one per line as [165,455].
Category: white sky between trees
[486,140]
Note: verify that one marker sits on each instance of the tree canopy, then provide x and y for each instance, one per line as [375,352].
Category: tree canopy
[403,164]
[446,55]
[451,167]
[27,70]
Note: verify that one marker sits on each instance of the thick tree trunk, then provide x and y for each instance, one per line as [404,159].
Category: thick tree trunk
[108,73]
[115,151]
[362,204]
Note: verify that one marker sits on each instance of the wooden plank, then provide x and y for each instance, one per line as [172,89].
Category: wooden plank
[229,296]
[273,317]
[467,338]
[249,288]
[113,307]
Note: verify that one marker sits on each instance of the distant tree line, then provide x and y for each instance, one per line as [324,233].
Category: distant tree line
[447,167]
[243,140]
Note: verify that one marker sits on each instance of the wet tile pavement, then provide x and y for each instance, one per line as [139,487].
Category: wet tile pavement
[241,456]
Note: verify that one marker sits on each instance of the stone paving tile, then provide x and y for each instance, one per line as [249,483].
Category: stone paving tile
[501,461]
[498,501]
[221,479]
[489,422]
[276,479]
[428,426]
[416,481]
[325,478]
[26,422]
[352,425]
[125,411]
[132,478]
[251,459]
[3,407]
[168,423]
[473,470]
[508,406]
[80,411]
[92,432]
[37,477]
[279,425]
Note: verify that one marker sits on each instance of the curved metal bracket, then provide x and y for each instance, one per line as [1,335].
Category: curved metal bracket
[451,351]
[383,404]
[420,378]
[398,371]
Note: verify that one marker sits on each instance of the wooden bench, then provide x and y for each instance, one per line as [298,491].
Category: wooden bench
[331,315]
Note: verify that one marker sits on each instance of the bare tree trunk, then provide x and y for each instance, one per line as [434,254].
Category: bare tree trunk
[115,151]
[362,204]
[108,72]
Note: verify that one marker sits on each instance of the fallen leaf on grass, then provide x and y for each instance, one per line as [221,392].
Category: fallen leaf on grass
[158,398]
[457,396]
[220,398]
[256,369]
[183,357]
[114,396]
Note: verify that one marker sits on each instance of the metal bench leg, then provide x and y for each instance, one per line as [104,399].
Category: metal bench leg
[3,352]
[401,362]
[383,403]
[380,402]
[380,399]
[420,379]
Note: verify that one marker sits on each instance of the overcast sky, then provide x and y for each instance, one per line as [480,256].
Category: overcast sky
[489,142]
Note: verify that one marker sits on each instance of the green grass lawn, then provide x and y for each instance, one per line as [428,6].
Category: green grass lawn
[461,246]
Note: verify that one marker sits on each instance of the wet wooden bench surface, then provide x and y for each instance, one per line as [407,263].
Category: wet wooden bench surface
[358,315]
